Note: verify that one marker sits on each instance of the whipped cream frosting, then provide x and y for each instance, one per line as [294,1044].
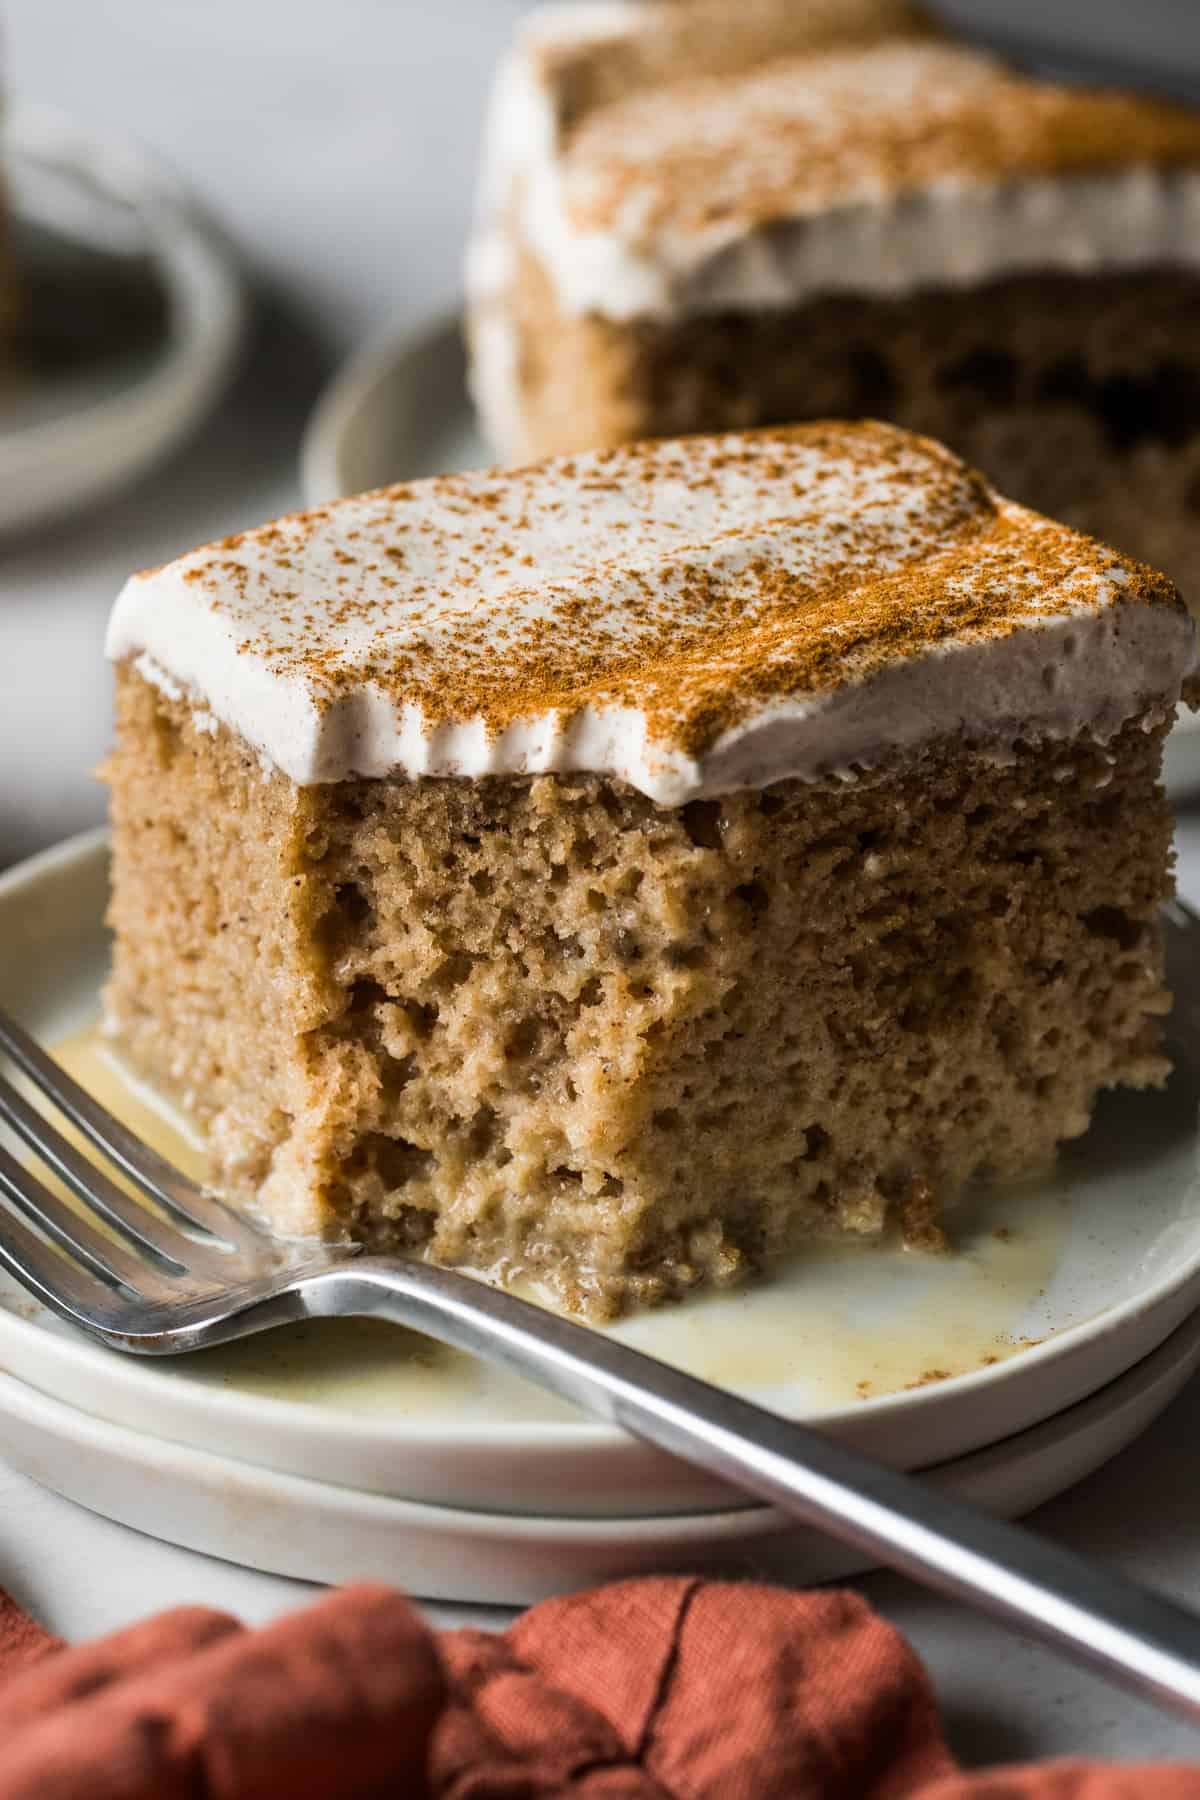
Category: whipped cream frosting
[689,617]
[878,166]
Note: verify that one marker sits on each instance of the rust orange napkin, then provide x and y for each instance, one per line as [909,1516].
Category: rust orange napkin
[650,1690]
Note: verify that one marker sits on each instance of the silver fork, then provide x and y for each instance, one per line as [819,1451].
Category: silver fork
[186,1272]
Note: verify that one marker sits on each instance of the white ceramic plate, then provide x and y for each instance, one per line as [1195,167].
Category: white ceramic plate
[319,1532]
[133,315]
[395,411]
[399,410]
[1100,1265]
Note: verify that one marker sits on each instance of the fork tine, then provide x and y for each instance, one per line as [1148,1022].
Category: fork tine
[101,1256]
[137,1224]
[60,1283]
[182,1198]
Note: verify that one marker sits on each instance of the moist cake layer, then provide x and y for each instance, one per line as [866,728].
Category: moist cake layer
[690,618]
[542,1026]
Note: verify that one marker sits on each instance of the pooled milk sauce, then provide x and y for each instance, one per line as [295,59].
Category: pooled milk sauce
[842,1322]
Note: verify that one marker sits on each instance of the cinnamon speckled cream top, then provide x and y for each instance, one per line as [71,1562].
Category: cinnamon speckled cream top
[690,617]
[800,134]
[678,158]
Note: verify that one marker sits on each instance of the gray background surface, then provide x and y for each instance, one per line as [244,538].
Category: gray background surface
[339,142]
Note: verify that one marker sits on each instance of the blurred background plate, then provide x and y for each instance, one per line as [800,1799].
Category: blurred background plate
[131,312]
[1181,762]
[396,411]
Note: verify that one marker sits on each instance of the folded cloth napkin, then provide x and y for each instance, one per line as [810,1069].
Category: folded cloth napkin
[650,1690]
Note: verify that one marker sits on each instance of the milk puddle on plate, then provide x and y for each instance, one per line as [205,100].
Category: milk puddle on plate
[842,1323]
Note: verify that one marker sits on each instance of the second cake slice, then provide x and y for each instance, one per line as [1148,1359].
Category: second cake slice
[698,216]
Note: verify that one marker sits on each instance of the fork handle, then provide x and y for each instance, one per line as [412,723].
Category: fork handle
[1123,1631]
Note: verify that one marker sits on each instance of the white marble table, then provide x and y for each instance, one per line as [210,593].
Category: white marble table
[339,142]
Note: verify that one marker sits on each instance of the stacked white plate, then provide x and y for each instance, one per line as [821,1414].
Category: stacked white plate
[1060,1327]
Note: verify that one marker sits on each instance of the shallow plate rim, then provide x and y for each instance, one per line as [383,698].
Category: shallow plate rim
[755,1518]
[344,393]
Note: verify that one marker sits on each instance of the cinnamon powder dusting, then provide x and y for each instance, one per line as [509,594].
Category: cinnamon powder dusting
[692,582]
[714,154]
